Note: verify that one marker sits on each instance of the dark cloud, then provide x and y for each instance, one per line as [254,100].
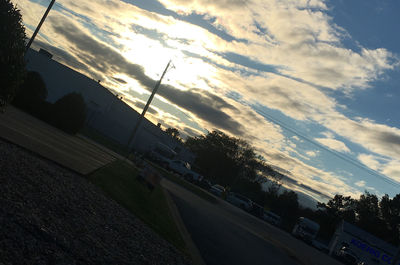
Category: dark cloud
[141,106]
[119,80]
[390,138]
[287,102]
[62,56]
[203,104]
[308,188]
[294,183]
[190,132]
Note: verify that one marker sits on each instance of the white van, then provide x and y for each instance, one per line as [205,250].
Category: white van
[306,229]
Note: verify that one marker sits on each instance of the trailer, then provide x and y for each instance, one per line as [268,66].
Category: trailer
[352,241]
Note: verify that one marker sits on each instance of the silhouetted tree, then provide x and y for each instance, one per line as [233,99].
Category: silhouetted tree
[174,133]
[12,50]
[250,189]
[69,113]
[287,207]
[225,158]
[380,218]
[32,93]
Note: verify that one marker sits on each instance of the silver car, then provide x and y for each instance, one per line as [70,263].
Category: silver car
[217,190]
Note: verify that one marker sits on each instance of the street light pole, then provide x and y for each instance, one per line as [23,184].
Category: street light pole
[40,24]
[396,258]
[139,121]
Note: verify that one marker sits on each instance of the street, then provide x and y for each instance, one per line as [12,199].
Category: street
[225,234]
[219,240]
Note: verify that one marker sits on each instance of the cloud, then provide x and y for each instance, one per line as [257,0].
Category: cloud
[370,161]
[333,144]
[311,153]
[298,35]
[386,166]
[360,183]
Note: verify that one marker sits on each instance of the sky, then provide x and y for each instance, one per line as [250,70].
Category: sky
[313,85]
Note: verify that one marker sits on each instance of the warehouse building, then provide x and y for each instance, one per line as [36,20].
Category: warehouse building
[106,112]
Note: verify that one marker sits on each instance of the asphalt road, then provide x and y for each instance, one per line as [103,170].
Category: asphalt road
[225,234]
[219,238]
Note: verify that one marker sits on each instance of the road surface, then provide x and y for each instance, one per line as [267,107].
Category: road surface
[225,234]
[220,240]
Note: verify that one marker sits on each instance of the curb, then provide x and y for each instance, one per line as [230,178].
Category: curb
[194,252]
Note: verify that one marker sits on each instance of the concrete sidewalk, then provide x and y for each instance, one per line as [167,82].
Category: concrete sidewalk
[37,136]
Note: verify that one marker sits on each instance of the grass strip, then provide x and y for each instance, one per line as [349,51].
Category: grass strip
[118,181]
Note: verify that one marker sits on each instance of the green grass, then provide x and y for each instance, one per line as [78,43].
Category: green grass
[105,141]
[189,186]
[118,181]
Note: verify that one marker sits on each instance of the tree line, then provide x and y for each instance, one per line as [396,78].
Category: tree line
[234,163]
[380,217]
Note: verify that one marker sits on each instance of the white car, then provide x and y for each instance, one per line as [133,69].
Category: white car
[239,201]
[180,167]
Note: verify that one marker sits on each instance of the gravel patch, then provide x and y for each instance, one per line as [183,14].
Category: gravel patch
[49,215]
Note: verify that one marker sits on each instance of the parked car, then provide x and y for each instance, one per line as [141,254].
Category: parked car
[239,201]
[347,256]
[193,177]
[180,167]
[272,218]
[217,190]
[257,210]
[204,183]
[161,154]
[305,229]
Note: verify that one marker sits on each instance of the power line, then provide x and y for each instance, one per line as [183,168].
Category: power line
[333,152]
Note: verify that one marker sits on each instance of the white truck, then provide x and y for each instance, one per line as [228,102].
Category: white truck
[184,169]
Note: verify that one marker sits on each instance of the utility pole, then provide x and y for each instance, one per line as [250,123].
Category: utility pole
[396,258]
[40,24]
[139,121]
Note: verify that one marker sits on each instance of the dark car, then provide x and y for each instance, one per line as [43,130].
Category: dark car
[257,210]
[204,184]
[347,256]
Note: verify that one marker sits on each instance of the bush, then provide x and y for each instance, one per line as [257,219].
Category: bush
[31,94]
[12,50]
[69,113]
